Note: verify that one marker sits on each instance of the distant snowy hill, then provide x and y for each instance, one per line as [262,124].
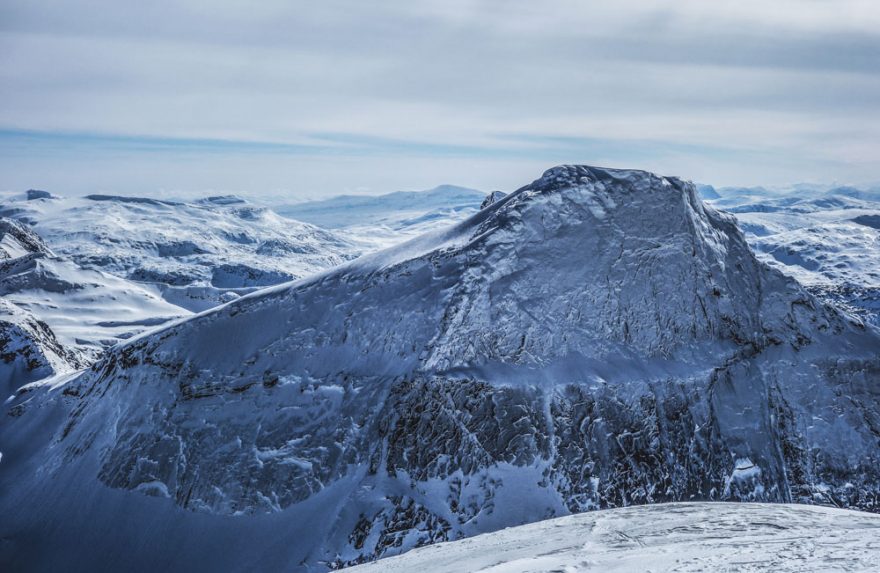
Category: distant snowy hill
[598,338]
[680,537]
[707,192]
[196,254]
[384,220]
[828,239]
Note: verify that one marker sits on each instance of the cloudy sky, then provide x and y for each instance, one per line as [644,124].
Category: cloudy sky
[318,98]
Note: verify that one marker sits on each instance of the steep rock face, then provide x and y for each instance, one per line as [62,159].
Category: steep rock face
[596,339]
[17,240]
[29,350]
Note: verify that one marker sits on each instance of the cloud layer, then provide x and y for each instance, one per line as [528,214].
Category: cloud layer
[341,95]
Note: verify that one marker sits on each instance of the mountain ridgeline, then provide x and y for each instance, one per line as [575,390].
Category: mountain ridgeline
[598,338]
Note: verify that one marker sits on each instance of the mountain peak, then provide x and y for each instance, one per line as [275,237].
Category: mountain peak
[575,176]
[598,192]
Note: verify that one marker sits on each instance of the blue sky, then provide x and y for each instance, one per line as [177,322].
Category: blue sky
[311,99]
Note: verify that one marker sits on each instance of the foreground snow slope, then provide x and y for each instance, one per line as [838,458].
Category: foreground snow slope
[680,537]
[598,338]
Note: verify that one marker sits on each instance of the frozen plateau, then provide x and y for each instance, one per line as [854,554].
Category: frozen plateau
[596,340]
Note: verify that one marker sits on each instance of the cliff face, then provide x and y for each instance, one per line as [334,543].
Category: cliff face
[596,339]
[29,349]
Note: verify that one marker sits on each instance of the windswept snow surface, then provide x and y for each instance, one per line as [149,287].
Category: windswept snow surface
[679,537]
[597,339]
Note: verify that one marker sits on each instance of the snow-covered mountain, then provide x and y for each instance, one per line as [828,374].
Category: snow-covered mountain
[111,267]
[681,537]
[598,338]
[196,254]
[377,221]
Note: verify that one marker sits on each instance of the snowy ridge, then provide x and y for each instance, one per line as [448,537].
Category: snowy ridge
[73,313]
[16,240]
[598,338]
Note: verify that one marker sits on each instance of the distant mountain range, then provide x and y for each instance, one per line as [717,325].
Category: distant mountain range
[392,209]
[384,220]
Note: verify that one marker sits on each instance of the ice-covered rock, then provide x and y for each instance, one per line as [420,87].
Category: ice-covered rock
[34,194]
[29,350]
[492,198]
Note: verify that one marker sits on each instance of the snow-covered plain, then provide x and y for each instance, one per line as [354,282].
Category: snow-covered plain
[677,537]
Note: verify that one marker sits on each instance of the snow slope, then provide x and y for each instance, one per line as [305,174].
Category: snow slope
[681,537]
[596,339]
[197,254]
